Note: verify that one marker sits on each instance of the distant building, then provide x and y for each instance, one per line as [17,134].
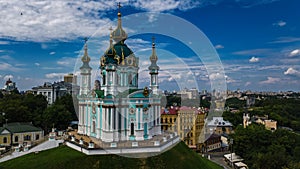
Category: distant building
[9,86]
[212,143]
[55,90]
[188,93]
[268,123]
[70,78]
[20,134]
[218,126]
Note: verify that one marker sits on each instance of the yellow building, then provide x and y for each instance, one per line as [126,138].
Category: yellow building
[186,121]
[168,119]
[20,133]
[190,122]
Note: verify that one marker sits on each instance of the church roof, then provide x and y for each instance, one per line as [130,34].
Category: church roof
[99,93]
[127,92]
[118,52]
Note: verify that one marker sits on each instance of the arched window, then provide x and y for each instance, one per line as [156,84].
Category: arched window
[104,79]
[132,129]
[5,140]
[94,126]
[16,138]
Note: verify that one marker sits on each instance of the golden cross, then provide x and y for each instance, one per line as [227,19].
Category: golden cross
[119,6]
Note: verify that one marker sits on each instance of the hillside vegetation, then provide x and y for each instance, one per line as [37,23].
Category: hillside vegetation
[66,158]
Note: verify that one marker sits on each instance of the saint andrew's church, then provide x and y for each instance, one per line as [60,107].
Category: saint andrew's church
[116,109]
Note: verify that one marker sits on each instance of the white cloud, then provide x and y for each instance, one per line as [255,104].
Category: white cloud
[251,3]
[295,52]
[230,80]
[280,23]
[6,57]
[55,75]
[4,42]
[37,64]
[286,40]
[254,59]
[6,77]
[262,51]
[47,20]
[51,53]
[248,83]
[67,61]
[219,46]
[292,71]
[8,67]
[156,5]
[270,80]
[43,20]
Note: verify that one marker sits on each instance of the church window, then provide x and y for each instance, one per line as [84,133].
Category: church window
[104,79]
[94,126]
[5,140]
[119,124]
[132,129]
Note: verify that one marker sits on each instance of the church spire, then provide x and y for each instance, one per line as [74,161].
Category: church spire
[119,34]
[153,57]
[85,58]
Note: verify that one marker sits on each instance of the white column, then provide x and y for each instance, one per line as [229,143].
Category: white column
[106,119]
[111,119]
[89,119]
[98,121]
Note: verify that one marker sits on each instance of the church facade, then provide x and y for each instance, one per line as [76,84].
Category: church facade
[116,109]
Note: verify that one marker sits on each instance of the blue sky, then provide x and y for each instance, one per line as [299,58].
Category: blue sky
[258,41]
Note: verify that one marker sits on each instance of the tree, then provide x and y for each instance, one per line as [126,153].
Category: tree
[58,116]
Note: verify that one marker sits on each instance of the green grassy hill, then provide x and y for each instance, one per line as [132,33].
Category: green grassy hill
[64,157]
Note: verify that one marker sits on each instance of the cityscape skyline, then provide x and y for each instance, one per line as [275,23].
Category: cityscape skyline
[257,41]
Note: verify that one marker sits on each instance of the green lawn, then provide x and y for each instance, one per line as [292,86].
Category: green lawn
[66,158]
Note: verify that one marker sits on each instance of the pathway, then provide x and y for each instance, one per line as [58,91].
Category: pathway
[41,147]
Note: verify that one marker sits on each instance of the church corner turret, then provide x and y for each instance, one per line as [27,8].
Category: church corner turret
[85,72]
[153,69]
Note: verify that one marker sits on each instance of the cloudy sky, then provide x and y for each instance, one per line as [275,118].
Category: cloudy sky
[257,41]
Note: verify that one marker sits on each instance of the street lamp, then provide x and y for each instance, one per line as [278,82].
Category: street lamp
[231,143]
